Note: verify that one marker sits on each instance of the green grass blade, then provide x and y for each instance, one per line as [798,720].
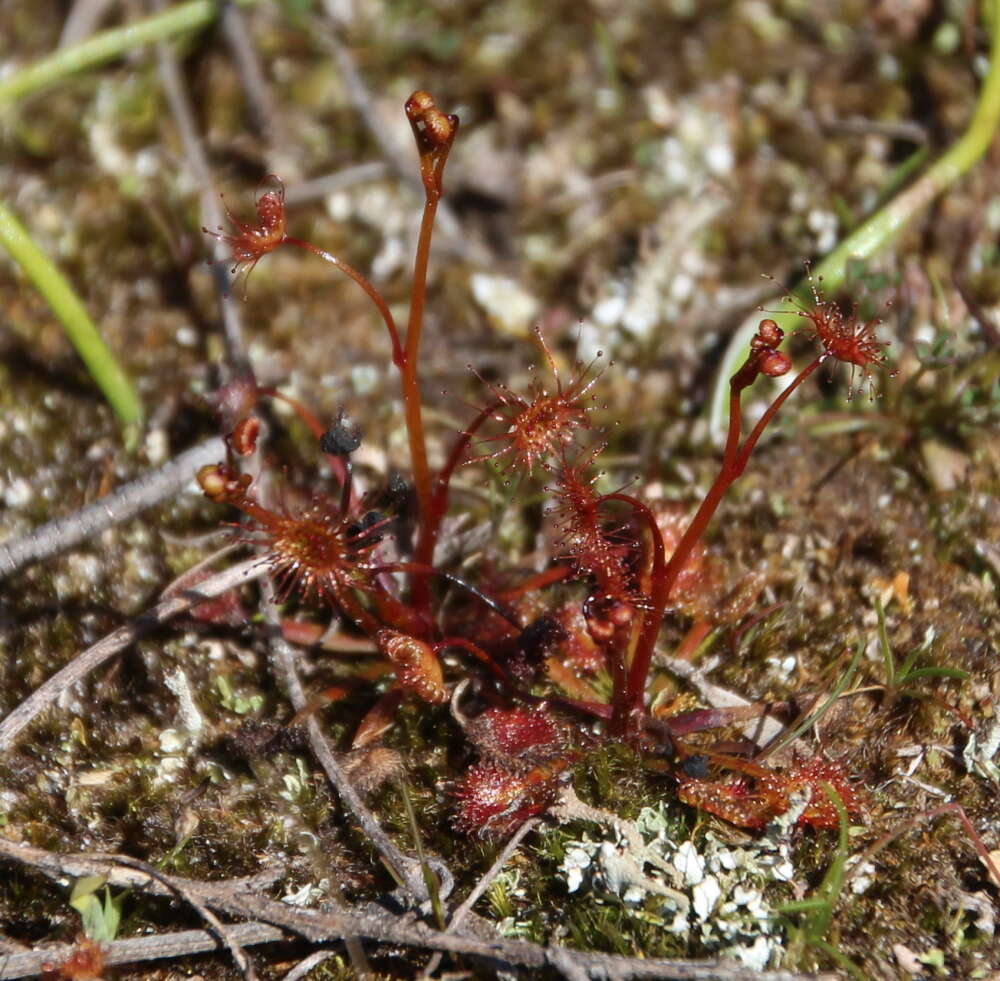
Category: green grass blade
[813,717]
[108,45]
[885,647]
[956,674]
[65,304]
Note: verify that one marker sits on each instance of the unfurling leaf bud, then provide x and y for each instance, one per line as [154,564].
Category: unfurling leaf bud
[417,667]
[243,439]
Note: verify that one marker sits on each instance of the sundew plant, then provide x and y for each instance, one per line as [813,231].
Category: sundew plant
[554,531]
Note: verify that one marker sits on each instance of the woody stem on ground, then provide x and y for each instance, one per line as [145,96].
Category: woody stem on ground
[663,579]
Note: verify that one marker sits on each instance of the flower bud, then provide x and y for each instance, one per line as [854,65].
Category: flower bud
[213,482]
[774,364]
[770,333]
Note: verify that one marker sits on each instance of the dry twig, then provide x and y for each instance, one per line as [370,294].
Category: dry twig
[458,917]
[114,509]
[239,898]
[174,90]
[405,869]
[263,108]
[133,950]
[183,892]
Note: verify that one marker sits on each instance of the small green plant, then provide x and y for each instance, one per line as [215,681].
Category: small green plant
[809,919]
[100,912]
[900,678]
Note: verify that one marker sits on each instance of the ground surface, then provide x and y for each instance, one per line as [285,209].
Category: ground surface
[623,180]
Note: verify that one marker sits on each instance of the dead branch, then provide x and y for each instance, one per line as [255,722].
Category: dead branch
[263,109]
[307,964]
[319,187]
[96,655]
[114,509]
[134,950]
[216,926]
[234,898]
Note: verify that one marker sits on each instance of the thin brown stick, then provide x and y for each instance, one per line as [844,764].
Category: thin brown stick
[116,508]
[402,867]
[307,964]
[263,108]
[955,810]
[236,899]
[106,648]
[319,187]
[85,16]
[135,950]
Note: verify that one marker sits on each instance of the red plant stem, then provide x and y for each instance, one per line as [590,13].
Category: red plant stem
[621,673]
[430,522]
[734,462]
[477,652]
[372,293]
[314,426]
[361,617]
[412,406]
[308,418]
[659,552]
[771,412]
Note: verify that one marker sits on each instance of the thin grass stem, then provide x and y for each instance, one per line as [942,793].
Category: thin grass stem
[109,45]
[64,302]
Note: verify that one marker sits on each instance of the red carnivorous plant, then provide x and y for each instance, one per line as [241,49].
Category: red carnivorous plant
[532,651]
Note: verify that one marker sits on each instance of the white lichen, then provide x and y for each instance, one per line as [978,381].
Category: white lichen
[713,893]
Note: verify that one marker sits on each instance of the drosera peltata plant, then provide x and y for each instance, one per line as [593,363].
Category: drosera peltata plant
[594,612]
